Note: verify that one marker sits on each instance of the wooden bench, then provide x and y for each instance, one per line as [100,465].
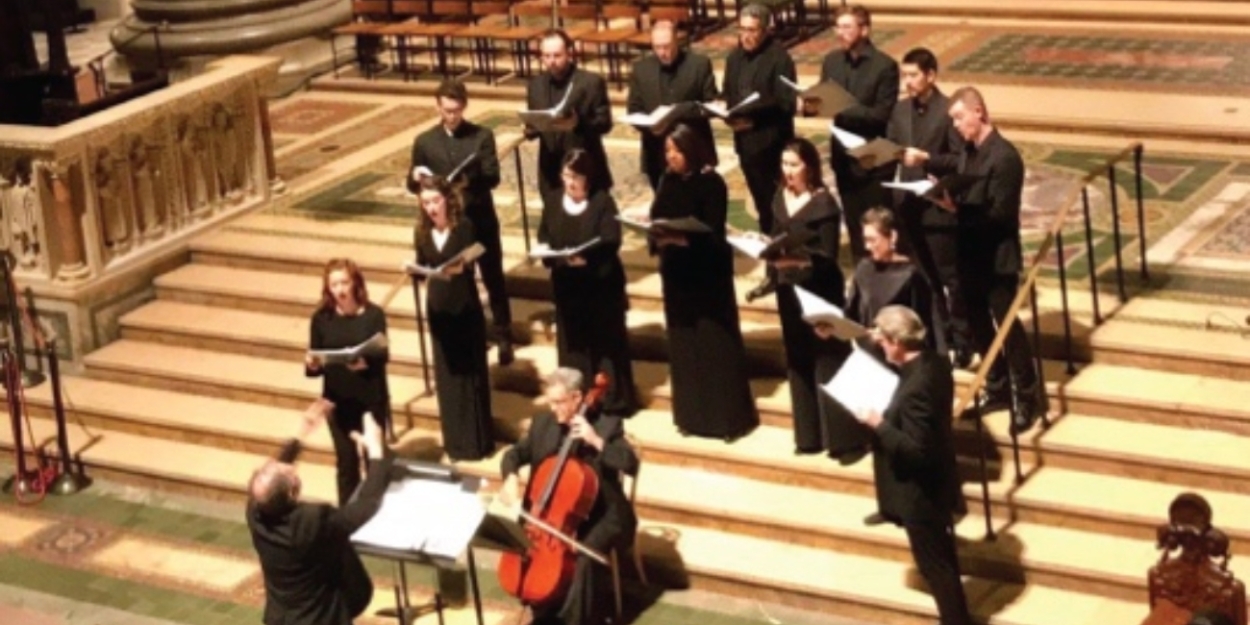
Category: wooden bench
[1192,573]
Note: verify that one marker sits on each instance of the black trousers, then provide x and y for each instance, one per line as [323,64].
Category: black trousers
[936,252]
[348,417]
[988,298]
[486,224]
[933,548]
[763,172]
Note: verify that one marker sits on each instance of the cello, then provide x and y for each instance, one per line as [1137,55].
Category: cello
[561,492]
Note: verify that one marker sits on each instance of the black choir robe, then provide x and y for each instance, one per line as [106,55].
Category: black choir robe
[591,334]
[611,522]
[877,285]
[872,77]
[687,81]
[589,99]
[707,359]
[820,424]
[458,333]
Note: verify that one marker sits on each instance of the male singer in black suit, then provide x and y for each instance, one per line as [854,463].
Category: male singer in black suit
[872,77]
[921,121]
[587,114]
[670,76]
[913,457]
[611,522]
[440,151]
[312,574]
[761,129]
[990,253]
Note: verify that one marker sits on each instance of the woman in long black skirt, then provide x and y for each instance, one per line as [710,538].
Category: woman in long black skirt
[346,318]
[803,209]
[457,324]
[707,360]
[589,286]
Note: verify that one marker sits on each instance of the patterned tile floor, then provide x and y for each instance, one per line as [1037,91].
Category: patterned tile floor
[120,555]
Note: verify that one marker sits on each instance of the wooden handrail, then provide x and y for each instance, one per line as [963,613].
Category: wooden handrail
[1022,294]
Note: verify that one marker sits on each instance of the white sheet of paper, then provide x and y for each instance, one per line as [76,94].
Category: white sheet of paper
[434,517]
[749,245]
[818,310]
[919,187]
[648,119]
[862,384]
[849,140]
[791,84]
[543,250]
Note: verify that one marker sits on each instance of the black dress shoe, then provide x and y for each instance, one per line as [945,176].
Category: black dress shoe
[506,355]
[995,403]
[849,458]
[874,519]
[767,287]
[1025,417]
[799,451]
[962,358]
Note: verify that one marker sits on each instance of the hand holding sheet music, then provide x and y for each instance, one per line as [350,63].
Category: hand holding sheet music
[823,314]
[661,227]
[555,118]
[660,120]
[870,154]
[453,266]
[762,247]
[375,345]
[863,385]
[718,110]
[543,251]
[939,192]
[824,99]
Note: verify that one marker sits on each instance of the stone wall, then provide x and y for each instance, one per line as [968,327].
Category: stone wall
[93,210]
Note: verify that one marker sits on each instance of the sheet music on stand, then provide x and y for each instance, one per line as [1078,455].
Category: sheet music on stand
[429,511]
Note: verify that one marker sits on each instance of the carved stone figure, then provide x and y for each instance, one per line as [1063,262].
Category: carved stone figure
[111,201]
[143,190]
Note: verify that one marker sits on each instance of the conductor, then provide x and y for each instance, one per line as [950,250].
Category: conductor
[312,575]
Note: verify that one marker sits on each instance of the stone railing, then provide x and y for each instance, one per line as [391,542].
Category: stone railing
[89,208]
[81,199]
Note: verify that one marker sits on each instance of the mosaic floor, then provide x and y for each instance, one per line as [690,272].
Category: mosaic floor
[1194,208]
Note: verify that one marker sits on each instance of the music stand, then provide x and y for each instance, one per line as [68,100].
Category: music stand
[441,544]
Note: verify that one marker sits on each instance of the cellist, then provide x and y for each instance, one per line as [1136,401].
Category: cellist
[611,522]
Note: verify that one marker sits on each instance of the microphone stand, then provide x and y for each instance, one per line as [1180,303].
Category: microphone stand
[30,379]
[68,481]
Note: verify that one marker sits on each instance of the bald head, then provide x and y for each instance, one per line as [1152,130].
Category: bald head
[274,488]
[664,41]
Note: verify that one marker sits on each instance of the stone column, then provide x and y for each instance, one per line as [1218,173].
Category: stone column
[72,260]
[220,27]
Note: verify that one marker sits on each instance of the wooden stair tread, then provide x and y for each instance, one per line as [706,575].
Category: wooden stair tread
[182,462]
[1162,390]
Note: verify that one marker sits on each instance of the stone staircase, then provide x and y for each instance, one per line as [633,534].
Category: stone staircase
[206,379]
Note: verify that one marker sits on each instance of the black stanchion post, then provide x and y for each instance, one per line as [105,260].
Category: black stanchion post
[1063,296]
[425,358]
[520,191]
[1141,213]
[983,461]
[20,483]
[30,378]
[1115,232]
[69,481]
[1037,341]
[1089,254]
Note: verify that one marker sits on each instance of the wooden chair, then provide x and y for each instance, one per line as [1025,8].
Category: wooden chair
[1192,573]
[514,38]
[427,31]
[369,17]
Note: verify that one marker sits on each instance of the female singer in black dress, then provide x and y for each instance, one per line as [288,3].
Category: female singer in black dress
[885,277]
[457,324]
[346,318]
[804,209]
[589,287]
[707,360]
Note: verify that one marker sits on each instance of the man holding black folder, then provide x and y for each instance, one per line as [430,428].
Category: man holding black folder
[872,77]
[670,76]
[990,254]
[465,152]
[763,127]
[921,121]
[583,119]
[312,574]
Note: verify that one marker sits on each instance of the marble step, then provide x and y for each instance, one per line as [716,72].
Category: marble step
[1160,397]
[274,252]
[1180,337]
[880,589]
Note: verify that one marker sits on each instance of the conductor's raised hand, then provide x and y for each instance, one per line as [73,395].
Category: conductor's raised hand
[579,427]
[314,415]
[371,439]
